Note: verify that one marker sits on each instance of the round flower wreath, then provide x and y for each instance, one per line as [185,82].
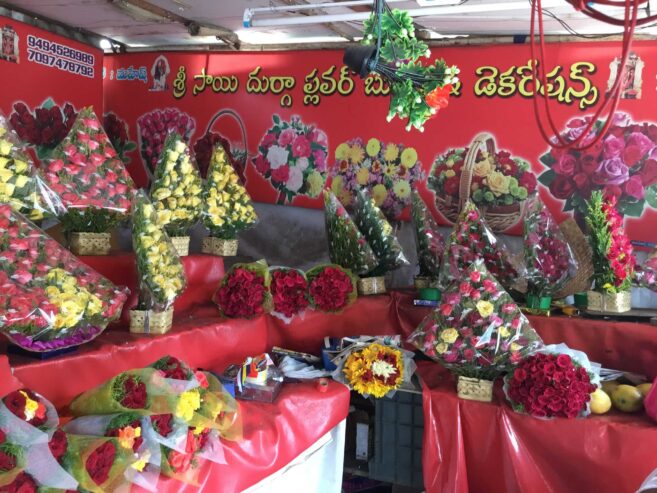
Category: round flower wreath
[375,370]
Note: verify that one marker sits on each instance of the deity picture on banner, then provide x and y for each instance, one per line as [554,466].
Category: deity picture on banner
[9,50]
[160,72]
[632,78]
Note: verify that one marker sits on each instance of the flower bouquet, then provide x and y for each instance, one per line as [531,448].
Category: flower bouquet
[183,383]
[554,382]
[645,276]
[27,417]
[292,155]
[117,131]
[429,243]
[379,234]
[288,290]
[160,270]
[549,260]
[176,191]
[471,240]
[331,288]
[244,291]
[613,260]
[496,182]
[477,332]
[387,171]
[227,208]
[92,184]
[204,149]
[49,300]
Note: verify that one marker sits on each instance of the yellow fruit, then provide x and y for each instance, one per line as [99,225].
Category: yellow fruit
[600,402]
[627,398]
[609,386]
[644,388]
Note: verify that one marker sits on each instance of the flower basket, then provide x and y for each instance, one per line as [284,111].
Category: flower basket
[219,247]
[371,285]
[499,217]
[90,243]
[181,244]
[609,302]
[151,322]
[474,389]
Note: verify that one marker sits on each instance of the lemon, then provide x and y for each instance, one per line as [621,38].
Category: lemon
[627,398]
[609,386]
[644,388]
[600,402]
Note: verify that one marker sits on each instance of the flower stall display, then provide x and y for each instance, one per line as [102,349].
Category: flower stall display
[477,332]
[379,234]
[331,288]
[623,165]
[495,181]
[387,171]
[549,260]
[227,207]
[161,273]
[613,260]
[472,240]
[49,300]
[347,245]
[177,191]
[645,276]
[117,131]
[429,244]
[288,291]
[554,382]
[244,291]
[92,184]
[292,156]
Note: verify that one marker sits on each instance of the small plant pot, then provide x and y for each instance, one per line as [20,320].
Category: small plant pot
[539,302]
[181,244]
[91,243]
[474,389]
[371,285]
[219,247]
[150,322]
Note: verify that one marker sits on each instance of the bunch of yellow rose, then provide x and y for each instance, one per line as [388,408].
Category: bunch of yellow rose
[74,302]
[177,189]
[228,208]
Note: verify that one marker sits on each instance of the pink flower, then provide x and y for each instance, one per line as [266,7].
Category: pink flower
[490,285]
[56,166]
[281,174]
[613,147]
[634,188]
[92,123]
[508,308]
[475,276]
[565,165]
[320,160]
[446,309]
[268,140]
[465,288]
[301,147]
[261,164]
[286,137]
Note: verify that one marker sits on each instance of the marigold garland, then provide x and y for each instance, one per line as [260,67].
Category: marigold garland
[376,370]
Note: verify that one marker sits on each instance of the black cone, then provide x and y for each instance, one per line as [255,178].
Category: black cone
[357,58]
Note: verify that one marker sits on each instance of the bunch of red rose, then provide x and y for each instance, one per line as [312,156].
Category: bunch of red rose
[181,462]
[17,403]
[154,128]
[330,288]
[100,462]
[173,368]
[58,445]
[550,385]
[244,293]
[288,289]
[205,146]
[8,460]
[46,127]
[132,392]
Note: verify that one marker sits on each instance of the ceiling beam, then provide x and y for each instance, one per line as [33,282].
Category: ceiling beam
[329,25]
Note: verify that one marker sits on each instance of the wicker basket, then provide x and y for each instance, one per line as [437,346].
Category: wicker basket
[181,244]
[474,389]
[499,218]
[609,303]
[582,252]
[91,243]
[219,247]
[371,285]
[150,322]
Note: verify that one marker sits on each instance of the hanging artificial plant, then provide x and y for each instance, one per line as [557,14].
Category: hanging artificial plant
[391,50]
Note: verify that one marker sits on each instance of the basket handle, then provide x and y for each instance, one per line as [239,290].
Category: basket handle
[232,113]
[481,140]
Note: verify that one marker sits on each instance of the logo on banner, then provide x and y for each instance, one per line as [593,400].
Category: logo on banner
[160,72]
[132,73]
[9,50]
[632,78]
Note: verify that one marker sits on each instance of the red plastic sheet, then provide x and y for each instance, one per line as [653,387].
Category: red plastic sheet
[475,447]
[8,383]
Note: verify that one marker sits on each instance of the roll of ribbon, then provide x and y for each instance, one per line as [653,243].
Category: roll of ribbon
[322,384]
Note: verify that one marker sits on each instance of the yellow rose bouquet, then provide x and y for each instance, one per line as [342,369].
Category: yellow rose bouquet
[227,207]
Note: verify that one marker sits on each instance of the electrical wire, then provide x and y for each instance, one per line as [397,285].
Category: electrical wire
[571,30]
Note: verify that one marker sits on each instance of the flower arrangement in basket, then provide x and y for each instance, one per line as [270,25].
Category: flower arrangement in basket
[92,184]
[613,260]
[227,207]
[161,273]
[288,290]
[49,299]
[387,171]
[331,288]
[244,291]
[292,155]
[429,243]
[477,332]
[496,182]
[177,191]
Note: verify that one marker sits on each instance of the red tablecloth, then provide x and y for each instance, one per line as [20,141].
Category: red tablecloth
[487,447]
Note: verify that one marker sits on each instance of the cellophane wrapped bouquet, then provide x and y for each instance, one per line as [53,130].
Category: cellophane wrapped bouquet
[244,291]
[177,188]
[88,178]
[549,260]
[331,288]
[49,299]
[288,291]
[645,275]
[430,244]
[477,331]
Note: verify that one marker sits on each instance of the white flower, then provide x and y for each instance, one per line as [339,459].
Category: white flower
[383,369]
[180,147]
[277,156]
[302,163]
[455,80]
[295,180]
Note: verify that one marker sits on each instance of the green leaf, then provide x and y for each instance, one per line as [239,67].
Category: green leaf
[633,209]
[651,196]
[277,119]
[547,159]
[547,178]
[48,103]
[129,146]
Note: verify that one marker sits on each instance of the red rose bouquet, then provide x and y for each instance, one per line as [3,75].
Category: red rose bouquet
[29,408]
[288,290]
[429,243]
[477,331]
[49,299]
[555,382]
[205,147]
[244,291]
[12,462]
[331,288]
[89,179]
[153,129]
[117,131]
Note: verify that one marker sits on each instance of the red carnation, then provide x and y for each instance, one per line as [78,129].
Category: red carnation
[163,424]
[100,462]
[58,445]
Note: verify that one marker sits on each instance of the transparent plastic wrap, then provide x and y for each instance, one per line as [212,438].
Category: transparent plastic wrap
[219,411]
[88,178]
[477,331]
[429,243]
[161,273]
[227,207]
[553,382]
[177,189]
[379,234]
[27,418]
[645,276]
[49,299]
[471,240]
[549,260]
[244,291]
[288,290]
[331,288]
[347,245]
